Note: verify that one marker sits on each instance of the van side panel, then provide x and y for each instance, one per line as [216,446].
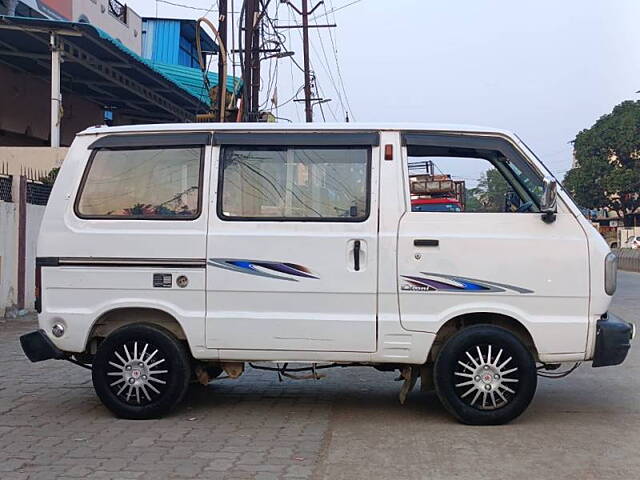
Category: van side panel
[107,264]
[552,262]
[79,296]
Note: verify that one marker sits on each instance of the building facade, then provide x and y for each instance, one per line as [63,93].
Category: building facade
[110,16]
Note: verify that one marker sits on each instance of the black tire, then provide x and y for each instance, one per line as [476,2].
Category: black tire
[148,384]
[475,390]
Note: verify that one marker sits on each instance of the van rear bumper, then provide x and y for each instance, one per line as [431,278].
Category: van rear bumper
[613,340]
[38,347]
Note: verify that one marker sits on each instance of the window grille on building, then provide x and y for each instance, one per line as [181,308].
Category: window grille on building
[38,193]
[5,188]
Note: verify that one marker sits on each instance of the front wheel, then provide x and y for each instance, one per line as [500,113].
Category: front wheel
[141,371]
[484,375]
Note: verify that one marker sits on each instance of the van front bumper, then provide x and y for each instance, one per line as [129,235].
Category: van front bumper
[38,347]
[613,340]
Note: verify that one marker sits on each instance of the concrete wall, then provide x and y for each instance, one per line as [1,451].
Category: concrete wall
[9,255]
[96,12]
[41,159]
[25,107]
[34,219]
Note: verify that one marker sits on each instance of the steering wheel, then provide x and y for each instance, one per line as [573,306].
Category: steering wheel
[525,207]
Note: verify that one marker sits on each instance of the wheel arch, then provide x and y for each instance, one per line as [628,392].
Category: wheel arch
[459,322]
[117,317]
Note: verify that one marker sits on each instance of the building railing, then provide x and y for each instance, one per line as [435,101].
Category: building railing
[118,10]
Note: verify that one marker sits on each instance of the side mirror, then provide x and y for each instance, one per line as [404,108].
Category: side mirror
[549,200]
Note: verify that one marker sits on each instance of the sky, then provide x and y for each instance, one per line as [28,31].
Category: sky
[545,69]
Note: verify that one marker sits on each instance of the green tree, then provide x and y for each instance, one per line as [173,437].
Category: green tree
[489,195]
[50,178]
[607,172]
[472,200]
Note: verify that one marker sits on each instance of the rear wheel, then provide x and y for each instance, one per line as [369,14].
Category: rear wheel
[484,375]
[141,371]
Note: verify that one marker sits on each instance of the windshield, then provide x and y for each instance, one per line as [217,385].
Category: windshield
[526,176]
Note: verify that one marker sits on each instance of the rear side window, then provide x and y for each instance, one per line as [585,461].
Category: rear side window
[295,183]
[144,183]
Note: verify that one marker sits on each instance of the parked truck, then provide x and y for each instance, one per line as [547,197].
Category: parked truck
[432,192]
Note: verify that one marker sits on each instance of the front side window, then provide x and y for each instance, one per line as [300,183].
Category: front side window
[142,183]
[297,183]
[473,180]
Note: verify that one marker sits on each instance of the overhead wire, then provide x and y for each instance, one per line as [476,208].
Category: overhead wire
[335,55]
[270,34]
[284,42]
[190,7]
[295,105]
[335,10]
[265,37]
[313,75]
[315,86]
[328,69]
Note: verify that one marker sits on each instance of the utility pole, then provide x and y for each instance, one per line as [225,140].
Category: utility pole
[255,65]
[304,13]
[249,13]
[251,62]
[251,50]
[308,109]
[221,99]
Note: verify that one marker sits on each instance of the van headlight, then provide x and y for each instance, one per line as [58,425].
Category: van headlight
[610,273]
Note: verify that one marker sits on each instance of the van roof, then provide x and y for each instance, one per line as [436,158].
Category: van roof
[191,127]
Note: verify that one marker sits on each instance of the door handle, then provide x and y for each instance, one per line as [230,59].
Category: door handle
[356,255]
[426,242]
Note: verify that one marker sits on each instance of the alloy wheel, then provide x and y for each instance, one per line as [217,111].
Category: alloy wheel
[486,377]
[139,372]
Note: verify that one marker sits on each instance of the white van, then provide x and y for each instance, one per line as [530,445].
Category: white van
[174,251]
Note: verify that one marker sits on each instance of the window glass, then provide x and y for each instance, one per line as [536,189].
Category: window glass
[142,183]
[453,206]
[295,183]
[471,180]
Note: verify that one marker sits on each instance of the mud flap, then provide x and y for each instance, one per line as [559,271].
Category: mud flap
[410,376]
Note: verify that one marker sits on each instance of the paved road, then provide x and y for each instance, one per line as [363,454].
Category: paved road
[347,426]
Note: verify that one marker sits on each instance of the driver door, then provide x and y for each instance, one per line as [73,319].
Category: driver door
[496,255]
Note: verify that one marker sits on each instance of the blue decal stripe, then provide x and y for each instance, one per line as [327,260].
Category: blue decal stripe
[449,283]
[472,286]
[285,268]
[253,267]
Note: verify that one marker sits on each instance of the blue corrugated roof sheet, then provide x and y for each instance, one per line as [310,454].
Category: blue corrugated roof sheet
[189,79]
